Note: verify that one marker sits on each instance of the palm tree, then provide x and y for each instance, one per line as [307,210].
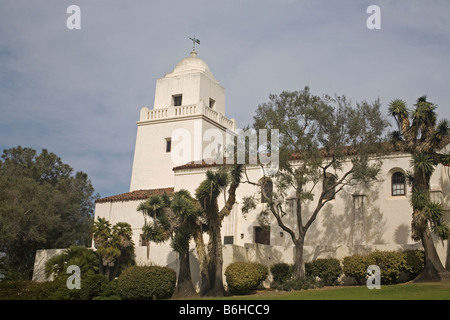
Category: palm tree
[421,135]
[207,194]
[101,231]
[154,207]
[102,238]
[122,239]
[114,245]
[176,219]
[82,257]
[187,212]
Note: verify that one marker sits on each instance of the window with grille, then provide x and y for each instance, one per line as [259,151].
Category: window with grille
[328,184]
[266,190]
[398,184]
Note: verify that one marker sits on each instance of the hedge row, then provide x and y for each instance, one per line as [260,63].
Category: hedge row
[93,286]
[392,264]
[328,270]
[155,282]
[151,282]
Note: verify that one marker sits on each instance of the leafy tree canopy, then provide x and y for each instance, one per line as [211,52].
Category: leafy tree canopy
[325,144]
[43,205]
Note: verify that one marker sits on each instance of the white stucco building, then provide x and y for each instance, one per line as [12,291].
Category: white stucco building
[189,102]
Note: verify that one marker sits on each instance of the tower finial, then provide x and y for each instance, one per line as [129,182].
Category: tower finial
[194,41]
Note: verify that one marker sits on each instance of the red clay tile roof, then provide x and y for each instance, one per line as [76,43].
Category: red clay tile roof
[195,164]
[135,195]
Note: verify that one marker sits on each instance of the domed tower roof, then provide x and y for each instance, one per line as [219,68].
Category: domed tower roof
[191,64]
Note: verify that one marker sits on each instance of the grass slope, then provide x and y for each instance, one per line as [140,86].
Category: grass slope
[407,291]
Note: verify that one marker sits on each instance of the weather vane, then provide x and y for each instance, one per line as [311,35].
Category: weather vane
[194,41]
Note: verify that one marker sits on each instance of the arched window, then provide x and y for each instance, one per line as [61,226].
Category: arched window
[329,181]
[398,184]
[266,190]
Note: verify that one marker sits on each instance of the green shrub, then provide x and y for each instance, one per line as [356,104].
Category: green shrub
[355,266]
[263,272]
[147,282]
[390,264]
[92,286]
[414,263]
[244,277]
[109,291]
[27,290]
[61,292]
[327,269]
[305,283]
[15,290]
[281,272]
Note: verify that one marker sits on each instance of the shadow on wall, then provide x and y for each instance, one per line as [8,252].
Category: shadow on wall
[267,254]
[360,222]
[402,234]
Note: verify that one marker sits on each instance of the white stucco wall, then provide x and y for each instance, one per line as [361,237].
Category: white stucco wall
[42,256]
[384,219]
[122,211]
[193,87]
[337,232]
[153,166]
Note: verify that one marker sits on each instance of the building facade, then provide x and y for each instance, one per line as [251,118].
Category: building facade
[187,125]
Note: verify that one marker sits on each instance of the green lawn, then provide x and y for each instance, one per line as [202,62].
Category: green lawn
[407,291]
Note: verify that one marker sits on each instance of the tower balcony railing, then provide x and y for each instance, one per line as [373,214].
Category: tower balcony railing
[184,111]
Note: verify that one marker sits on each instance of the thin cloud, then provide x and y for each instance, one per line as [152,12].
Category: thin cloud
[78,93]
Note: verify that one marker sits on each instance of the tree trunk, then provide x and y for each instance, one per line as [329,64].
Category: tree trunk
[215,260]
[184,288]
[434,270]
[447,261]
[114,269]
[101,267]
[203,262]
[299,263]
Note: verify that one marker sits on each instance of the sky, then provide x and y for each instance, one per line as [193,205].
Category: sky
[78,92]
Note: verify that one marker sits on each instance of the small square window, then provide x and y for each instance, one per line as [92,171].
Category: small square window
[211,103]
[143,242]
[168,144]
[228,240]
[177,100]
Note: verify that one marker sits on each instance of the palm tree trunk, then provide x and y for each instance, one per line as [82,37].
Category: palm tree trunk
[447,261]
[114,269]
[203,261]
[184,288]
[215,260]
[434,270]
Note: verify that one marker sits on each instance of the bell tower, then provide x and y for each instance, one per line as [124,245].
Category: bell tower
[190,101]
